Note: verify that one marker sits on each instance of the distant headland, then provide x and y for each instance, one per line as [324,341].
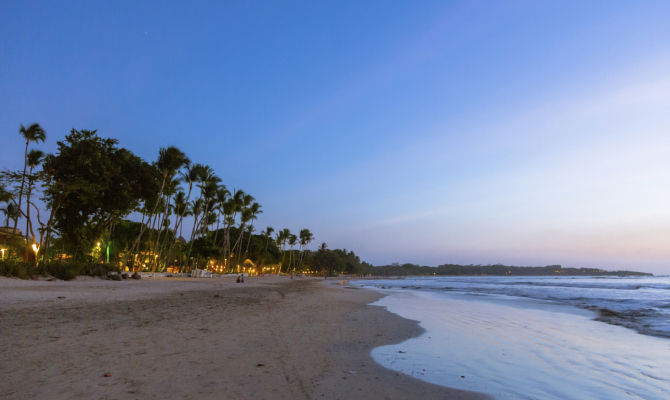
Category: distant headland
[495,270]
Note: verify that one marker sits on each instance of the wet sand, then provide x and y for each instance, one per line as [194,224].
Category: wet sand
[270,338]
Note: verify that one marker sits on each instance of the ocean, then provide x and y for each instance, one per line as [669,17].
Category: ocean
[534,337]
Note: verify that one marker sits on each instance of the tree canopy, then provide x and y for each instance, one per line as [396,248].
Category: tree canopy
[92,184]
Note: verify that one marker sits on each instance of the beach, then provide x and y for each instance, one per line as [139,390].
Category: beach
[269,338]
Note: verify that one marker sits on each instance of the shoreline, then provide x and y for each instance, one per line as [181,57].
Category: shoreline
[522,348]
[271,337]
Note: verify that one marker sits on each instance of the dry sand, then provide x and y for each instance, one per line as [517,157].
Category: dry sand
[270,338]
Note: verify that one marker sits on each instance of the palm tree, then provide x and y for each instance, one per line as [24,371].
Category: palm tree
[306,238]
[10,208]
[246,213]
[190,175]
[267,233]
[233,206]
[179,209]
[11,212]
[222,195]
[170,160]
[33,159]
[208,183]
[292,240]
[164,220]
[254,210]
[33,133]
[282,237]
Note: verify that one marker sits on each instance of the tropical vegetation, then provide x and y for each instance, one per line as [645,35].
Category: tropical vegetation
[95,203]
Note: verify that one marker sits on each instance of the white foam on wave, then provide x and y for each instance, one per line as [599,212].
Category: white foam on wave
[524,350]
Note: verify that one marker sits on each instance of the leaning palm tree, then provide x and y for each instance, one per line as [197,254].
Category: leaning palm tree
[33,133]
[179,209]
[245,217]
[222,195]
[170,160]
[254,210]
[232,207]
[189,175]
[208,184]
[205,180]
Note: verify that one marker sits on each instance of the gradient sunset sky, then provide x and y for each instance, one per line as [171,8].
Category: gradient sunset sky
[520,132]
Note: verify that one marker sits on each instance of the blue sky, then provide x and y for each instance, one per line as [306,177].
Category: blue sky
[521,132]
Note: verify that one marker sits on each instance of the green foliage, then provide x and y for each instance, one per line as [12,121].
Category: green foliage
[70,270]
[91,185]
[17,269]
[204,247]
[333,262]
[61,270]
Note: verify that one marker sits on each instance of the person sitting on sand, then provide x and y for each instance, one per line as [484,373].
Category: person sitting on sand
[238,279]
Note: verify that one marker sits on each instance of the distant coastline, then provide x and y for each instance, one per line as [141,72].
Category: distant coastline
[495,270]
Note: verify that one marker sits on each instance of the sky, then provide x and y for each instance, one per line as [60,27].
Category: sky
[432,132]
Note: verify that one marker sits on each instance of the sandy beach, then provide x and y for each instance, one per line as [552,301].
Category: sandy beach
[269,338]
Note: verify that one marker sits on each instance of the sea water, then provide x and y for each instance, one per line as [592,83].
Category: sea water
[535,337]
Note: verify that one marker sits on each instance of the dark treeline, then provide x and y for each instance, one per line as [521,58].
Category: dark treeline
[73,207]
[496,270]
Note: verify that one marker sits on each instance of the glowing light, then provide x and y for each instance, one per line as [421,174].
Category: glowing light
[36,248]
[3,253]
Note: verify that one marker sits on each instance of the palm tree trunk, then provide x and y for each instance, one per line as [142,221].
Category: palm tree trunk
[47,233]
[216,233]
[179,224]
[158,247]
[23,181]
[153,211]
[251,228]
[29,226]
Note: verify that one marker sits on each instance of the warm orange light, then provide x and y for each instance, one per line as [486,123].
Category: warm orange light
[36,248]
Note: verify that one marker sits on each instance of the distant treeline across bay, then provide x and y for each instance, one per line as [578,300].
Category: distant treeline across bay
[497,270]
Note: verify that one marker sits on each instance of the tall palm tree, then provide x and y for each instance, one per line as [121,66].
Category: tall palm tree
[292,240]
[33,159]
[232,207]
[33,133]
[164,220]
[179,209]
[208,183]
[222,195]
[254,211]
[267,233]
[170,160]
[245,217]
[205,177]
[190,175]
[306,238]
[282,237]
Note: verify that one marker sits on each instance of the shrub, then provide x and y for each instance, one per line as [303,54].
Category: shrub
[18,269]
[61,270]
